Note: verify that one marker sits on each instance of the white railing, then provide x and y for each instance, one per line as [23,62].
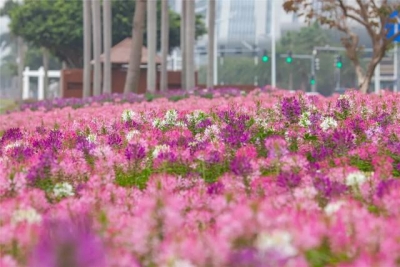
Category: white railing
[40,75]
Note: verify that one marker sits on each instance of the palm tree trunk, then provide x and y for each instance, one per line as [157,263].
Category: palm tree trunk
[190,39]
[107,46]
[164,44]
[211,39]
[96,47]
[45,54]
[151,44]
[133,74]
[183,45]
[87,47]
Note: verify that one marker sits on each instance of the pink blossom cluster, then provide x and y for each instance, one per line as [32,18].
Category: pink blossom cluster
[264,179]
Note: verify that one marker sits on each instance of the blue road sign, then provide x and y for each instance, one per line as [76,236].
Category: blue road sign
[392,27]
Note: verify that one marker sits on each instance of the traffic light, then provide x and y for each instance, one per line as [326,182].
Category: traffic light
[339,63]
[265,57]
[312,80]
[316,63]
[289,58]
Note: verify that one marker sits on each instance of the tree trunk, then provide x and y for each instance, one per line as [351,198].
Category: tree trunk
[190,39]
[21,65]
[133,74]
[183,45]
[96,47]
[164,44]
[107,46]
[151,45]
[211,40]
[87,45]
[45,54]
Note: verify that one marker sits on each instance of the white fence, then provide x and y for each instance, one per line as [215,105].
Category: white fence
[40,75]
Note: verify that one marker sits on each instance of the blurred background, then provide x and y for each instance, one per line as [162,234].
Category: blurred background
[307,54]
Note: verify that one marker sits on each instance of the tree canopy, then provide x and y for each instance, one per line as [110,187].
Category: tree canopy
[58,26]
[372,15]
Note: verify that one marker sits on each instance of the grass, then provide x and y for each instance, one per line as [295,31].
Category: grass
[7,104]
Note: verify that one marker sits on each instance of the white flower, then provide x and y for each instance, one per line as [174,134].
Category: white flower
[328,122]
[305,119]
[12,145]
[331,208]
[160,149]
[171,116]
[127,115]
[180,263]
[63,190]
[195,116]
[211,132]
[131,134]
[261,122]
[29,215]
[277,240]
[180,124]
[91,138]
[356,178]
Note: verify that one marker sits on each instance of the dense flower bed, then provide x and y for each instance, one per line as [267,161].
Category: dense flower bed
[172,95]
[266,179]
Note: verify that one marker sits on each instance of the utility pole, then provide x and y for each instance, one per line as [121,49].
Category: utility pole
[273,45]
[397,67]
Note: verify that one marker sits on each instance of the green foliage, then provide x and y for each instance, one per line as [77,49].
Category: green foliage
[310,137]
[362,165]
[45,184]
[211,172]
[58,26]
[137,178]
[323,256]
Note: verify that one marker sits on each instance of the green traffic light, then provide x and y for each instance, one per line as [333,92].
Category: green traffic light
[312,82]
[289,60]
[339,65]
[265,58]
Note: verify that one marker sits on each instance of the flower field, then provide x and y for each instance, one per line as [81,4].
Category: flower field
[269,178]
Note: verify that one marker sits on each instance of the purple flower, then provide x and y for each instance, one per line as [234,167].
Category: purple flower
[84,145]
[204,124]
[67,243]
[288,180]
[20,153]
[241,166]
[343,140]
[41,130]
[215,188]
[135,152]
[53,141]
[291,109]
[384,187]
[12,134]
[42,169]
[328,188]
[213,157]
[343,104]
[251,257]
[114,140]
